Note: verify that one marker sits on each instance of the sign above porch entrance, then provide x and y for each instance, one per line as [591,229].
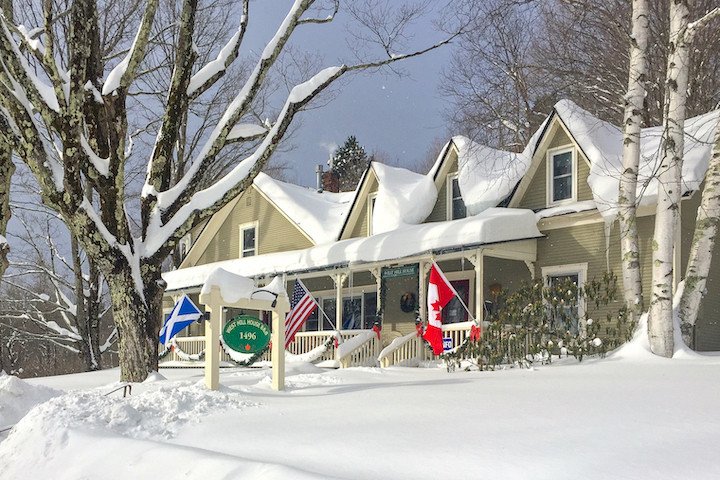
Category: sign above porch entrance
[404,271]
[246,334]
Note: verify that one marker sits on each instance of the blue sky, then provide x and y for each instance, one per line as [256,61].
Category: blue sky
[399,116]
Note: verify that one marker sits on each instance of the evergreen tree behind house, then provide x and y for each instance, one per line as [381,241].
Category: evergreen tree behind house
[348,164]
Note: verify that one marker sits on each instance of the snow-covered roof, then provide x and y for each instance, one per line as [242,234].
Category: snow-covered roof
[602,144]
[319,214]
[486,175]
[403,198]
[491,226]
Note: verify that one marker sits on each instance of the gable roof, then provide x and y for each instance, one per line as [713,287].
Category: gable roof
[602,143]
[317,214]
[486,175]
[403,197]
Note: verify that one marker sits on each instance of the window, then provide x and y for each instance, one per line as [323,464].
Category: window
[371,210]
[248,240]
[561,175]
[455,204]
[558,275]
[184,245]
[359,311]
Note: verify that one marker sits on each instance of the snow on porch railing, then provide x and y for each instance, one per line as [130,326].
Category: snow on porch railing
[404,351]
[409,351]
[192,346]
[359,351]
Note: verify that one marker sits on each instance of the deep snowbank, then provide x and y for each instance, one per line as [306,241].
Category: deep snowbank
[17,397]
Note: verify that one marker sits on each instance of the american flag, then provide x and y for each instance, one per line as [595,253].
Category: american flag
[302,304]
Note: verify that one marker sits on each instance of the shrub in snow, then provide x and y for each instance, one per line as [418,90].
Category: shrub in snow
[539,320]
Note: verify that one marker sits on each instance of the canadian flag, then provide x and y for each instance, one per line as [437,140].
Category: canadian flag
[439,294]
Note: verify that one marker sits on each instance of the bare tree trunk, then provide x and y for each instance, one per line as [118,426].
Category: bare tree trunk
[627,201]
[131,316]
[6,170]
[660,324]
[703,244]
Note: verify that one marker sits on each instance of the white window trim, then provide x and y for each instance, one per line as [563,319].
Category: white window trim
[549,174]
[449,194]
[371,197]
[570,269]
[246,226]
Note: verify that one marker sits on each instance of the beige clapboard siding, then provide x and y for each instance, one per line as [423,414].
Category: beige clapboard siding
[360,227]
[439,212]
[535,197]
[275,232]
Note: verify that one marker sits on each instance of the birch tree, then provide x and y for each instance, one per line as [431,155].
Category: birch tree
[682,33]
[702,247]
[69,123]
[627,199]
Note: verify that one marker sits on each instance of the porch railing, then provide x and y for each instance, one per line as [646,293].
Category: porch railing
[365,354]
[409,350]
[403,351]
[359,351]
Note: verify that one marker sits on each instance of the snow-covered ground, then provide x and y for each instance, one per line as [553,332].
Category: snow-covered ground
[627,416]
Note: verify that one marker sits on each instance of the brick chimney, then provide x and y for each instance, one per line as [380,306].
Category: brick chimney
[330,181]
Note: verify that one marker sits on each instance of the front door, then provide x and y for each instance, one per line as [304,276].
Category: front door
[454,312]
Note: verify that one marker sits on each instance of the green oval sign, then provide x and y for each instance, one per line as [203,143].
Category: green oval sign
[246,334]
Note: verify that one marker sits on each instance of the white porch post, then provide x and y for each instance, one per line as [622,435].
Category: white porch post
[377,274]
[478,261]
[212,341]
[423,267]
[278,350]
[339,279]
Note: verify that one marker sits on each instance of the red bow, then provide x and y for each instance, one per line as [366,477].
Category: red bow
[376,329]
[335,342]
[475,333]
[419,329]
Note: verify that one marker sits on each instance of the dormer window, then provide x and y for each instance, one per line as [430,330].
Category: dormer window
[455,202]
[561,175]
[248,240]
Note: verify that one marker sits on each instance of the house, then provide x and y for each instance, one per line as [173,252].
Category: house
[490,219]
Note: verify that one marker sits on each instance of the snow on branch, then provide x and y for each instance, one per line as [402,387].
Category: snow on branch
[17,67]
[226,187]
[210,73]
[246,131]
[102,165]
[694,27]
[327,19]
[124,72]
[235,110]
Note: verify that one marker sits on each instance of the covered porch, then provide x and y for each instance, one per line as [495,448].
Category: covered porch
[390,293]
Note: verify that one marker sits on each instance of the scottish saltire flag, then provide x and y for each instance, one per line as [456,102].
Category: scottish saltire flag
[302,305]
[183,314]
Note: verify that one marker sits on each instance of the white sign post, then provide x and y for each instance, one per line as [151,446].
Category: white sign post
[277,303]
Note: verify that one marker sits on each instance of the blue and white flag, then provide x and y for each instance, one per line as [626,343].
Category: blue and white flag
[183,314]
